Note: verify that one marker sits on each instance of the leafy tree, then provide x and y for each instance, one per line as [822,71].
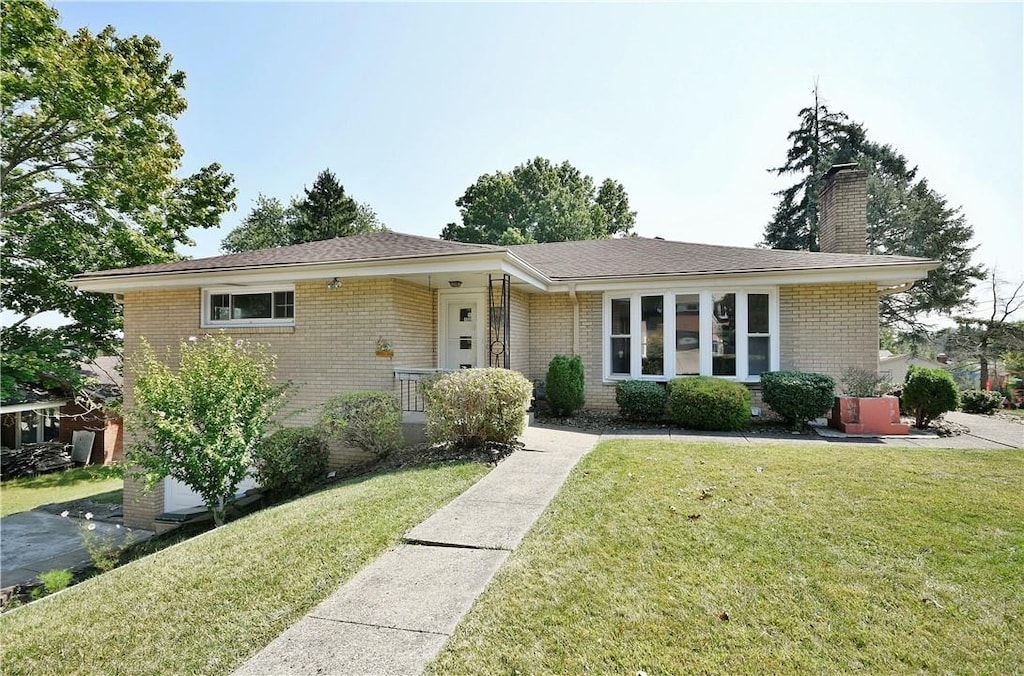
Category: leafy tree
[905,215]
[326,212]
[540,202]
[202,423]
[88,156]
[269,224]
[981,340]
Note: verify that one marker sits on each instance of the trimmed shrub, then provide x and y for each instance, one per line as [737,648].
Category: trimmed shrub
[706,403]
[640,399]
[928,393]
[291,461]
[370,420]
[798,397]
[476,406]
[564,385]
[980,401]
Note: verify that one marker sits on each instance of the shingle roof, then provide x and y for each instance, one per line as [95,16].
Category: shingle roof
[355,248]
[639,257]
[558,261]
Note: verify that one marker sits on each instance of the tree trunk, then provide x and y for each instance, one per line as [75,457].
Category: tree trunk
[983,373]
[218,512]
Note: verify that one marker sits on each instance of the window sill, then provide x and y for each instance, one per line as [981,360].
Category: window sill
[250,328]
[612,380]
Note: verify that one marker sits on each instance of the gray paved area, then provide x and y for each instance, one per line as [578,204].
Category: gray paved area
[394,616]
[34,542]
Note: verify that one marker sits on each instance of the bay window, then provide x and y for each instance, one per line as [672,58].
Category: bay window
[728,333]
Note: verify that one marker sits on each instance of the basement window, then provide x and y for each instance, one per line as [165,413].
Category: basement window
[249,306]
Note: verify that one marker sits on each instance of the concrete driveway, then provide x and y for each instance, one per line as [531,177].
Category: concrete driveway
[990,429]
[36,541]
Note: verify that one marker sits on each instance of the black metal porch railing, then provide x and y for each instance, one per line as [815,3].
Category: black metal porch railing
[409,394]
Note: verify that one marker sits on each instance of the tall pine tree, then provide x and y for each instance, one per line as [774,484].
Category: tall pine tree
[905,216]
[326,212]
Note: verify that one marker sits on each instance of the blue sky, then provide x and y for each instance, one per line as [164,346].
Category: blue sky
[686,105]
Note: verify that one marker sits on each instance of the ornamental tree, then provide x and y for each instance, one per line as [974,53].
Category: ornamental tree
[202,422]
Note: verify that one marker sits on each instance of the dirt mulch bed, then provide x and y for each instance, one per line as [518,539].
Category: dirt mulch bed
[600,421]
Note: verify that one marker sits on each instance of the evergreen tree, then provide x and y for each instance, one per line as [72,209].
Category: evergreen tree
[905,216]
[326,212]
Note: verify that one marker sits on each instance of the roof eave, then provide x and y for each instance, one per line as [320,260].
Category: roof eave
[470,261]
[887,274]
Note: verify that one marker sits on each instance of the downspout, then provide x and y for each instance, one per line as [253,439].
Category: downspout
[575,320]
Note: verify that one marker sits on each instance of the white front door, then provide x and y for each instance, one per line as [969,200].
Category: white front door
[462,335]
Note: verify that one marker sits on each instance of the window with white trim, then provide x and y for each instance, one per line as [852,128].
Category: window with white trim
[249,306]
[727,333]
[620,338]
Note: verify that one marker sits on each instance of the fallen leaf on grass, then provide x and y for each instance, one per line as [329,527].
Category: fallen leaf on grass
[693,517]
[723,616]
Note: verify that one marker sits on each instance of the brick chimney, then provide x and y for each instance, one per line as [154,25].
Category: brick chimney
[843,210]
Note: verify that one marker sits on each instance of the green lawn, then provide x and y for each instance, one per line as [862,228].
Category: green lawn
[24,493]
[675,559]
[205,605]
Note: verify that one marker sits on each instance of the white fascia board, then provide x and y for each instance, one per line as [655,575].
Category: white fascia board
[883,275]
[485,262]
[514,267]
[33,406]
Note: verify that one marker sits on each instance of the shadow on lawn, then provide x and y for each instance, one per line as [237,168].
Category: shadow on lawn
[67,477]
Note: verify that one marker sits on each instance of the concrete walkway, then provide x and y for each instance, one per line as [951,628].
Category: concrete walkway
[395,615]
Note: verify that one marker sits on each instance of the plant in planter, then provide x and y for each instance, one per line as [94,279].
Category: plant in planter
[384,348]
[863,407]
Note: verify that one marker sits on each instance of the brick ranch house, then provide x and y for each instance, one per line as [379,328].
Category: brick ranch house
[631,308]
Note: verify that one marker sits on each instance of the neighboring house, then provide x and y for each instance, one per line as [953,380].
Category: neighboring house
[54,415]
[893,367]
[631,308]
[32,416]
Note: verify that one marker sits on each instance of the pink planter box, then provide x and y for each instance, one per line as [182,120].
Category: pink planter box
[868,415]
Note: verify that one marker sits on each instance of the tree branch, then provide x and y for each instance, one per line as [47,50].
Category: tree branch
[22,321]
[54,200]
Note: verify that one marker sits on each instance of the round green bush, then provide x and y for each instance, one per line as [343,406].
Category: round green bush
[640,399]
[928,393]
[706,403]
[291,461]
[564,385]
[980,401]
[798,397]
[370,420]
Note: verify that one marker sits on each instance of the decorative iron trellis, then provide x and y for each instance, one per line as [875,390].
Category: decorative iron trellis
[499,294]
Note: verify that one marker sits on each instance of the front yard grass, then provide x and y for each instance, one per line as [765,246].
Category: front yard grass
[96,482]
[207,604]
[671,558]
